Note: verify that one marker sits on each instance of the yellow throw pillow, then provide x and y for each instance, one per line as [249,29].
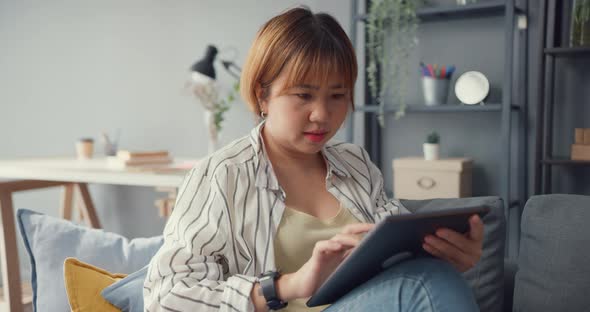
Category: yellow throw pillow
[84,283]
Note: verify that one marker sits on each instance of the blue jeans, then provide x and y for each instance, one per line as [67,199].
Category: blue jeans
[423,284]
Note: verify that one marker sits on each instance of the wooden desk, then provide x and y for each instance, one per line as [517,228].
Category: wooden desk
[73,175]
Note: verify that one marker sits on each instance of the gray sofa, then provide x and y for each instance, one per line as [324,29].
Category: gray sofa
[552,272]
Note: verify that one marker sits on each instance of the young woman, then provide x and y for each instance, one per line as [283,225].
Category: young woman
[284,198]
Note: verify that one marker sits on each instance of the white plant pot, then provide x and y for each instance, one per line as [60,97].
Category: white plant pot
[431,151]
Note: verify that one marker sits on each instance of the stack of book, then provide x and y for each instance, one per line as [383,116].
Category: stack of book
[130,159]
[581,147]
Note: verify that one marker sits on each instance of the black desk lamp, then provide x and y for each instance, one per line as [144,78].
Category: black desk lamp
[205,66]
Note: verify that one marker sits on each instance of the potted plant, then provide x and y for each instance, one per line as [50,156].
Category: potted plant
[391,36]
[432,147]
[207,92]
[580,23]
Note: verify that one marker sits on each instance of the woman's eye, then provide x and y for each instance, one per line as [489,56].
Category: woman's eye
[338,96]
[304,96]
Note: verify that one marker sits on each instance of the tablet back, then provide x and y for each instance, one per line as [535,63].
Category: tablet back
[394,239]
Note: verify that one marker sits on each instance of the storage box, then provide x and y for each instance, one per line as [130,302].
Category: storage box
[416,178]
[580,152]
[579,136]
[582,136]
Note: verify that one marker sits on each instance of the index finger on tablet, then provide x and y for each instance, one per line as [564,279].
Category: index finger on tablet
[358,228]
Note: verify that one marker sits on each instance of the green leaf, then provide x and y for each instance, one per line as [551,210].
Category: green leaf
[391,32]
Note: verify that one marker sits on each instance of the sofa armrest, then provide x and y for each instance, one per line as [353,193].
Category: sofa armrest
[510,268]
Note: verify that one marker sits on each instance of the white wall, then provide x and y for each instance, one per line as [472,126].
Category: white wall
[70,69]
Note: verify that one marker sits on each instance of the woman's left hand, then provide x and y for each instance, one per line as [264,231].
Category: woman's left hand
[463,251]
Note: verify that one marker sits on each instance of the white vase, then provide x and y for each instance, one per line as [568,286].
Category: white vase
[431,151]
[211,130]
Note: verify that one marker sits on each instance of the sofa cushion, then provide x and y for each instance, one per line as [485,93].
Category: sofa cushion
[487,277]
[84,282]
[553,272]
[49,241]
[127,294]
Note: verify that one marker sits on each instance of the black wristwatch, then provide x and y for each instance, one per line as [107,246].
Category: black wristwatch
[269,290]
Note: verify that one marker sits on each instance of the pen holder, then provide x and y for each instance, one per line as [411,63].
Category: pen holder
[435,90]
[110,149]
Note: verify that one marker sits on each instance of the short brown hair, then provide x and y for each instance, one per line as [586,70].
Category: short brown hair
[303,43]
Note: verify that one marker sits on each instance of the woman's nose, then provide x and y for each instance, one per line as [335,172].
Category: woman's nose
[320,111]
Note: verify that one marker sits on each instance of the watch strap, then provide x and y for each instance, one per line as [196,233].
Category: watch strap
[269,290]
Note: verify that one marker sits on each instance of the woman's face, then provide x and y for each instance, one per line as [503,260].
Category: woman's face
[303,118]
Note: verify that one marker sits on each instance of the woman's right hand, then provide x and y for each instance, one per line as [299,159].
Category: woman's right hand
[326,257]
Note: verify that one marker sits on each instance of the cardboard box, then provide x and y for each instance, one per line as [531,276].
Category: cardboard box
[580,152]
[579,137]
[416,178]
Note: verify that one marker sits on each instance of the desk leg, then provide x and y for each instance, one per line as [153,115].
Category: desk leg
[9,255]
[67,200]
[87,206]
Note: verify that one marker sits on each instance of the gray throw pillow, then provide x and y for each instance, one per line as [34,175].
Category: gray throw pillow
[487,277]
[553,272]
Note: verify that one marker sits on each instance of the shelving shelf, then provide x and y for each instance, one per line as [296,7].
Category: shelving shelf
[510,107]
[447,108]
[551,48]
[487,8]
[565,162]
[568,51]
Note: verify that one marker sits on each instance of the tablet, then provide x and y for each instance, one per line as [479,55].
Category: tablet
[392,240]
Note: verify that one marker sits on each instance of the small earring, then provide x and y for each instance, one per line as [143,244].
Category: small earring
[262,115]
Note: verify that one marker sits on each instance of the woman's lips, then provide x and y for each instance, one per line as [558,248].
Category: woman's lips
[315,136]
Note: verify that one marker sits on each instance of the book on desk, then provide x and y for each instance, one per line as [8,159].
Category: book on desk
[142,160]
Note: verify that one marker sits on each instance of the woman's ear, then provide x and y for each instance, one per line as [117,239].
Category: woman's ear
[260,98]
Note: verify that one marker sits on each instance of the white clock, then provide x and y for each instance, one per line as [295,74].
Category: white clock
[472,87]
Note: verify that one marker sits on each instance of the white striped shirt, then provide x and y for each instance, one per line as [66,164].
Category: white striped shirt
[219,237]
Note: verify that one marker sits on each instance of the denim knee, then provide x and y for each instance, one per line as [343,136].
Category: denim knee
[442,285]
[422,284]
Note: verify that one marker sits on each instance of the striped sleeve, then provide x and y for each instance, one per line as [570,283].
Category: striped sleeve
[187,273]
[382,205]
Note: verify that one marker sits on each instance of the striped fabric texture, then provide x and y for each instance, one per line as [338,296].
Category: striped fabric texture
[219,237]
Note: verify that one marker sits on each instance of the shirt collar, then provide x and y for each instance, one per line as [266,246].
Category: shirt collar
[334,161]
[265,175]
